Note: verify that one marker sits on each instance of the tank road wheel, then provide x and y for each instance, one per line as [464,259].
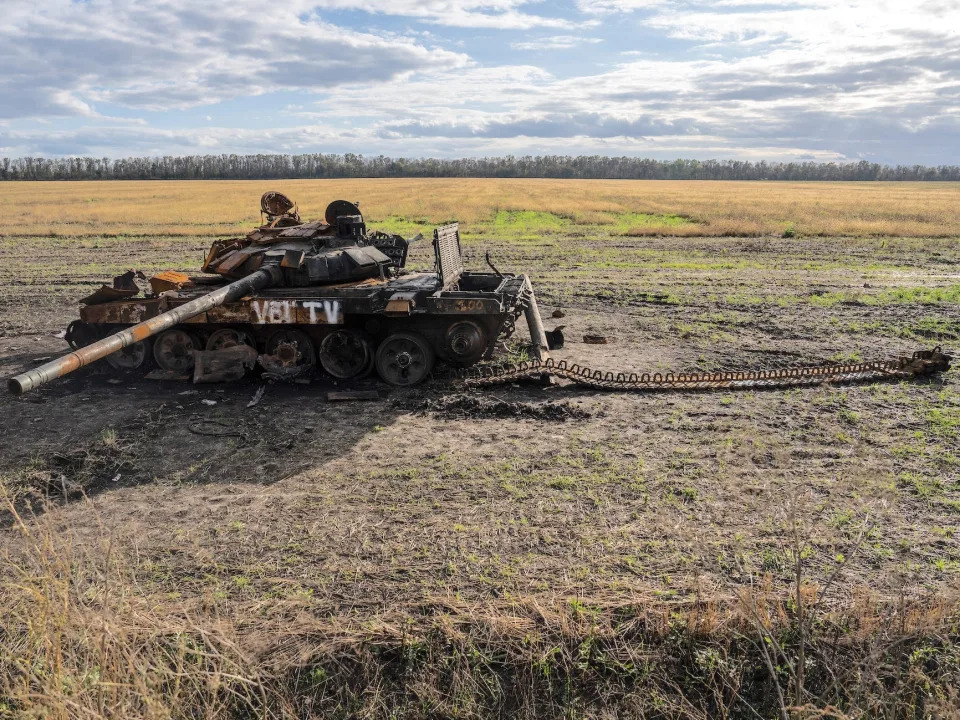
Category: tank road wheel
[131,357]
[466,342]
[291,348]
[404,359]
[345,354]
[80,334]
[173,350]
[229,337]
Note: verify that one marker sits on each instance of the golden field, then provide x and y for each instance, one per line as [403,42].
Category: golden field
[626,207]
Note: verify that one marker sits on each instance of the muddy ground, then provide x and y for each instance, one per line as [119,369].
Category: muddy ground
[521,491]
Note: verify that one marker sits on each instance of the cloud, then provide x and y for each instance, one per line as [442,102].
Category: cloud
[621,6]
[555,42]
[499,14]
[101,142]
[62,58]
[789,78]
[568,125]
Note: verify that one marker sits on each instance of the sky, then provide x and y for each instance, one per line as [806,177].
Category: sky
[783,80]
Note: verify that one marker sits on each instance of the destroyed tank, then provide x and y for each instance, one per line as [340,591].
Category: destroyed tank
[292,296]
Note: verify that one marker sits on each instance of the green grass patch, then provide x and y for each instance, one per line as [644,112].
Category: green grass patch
[528,221]
[922,295]
[399,225]
[927,328]
[944,421]
[631,220]
[894,296]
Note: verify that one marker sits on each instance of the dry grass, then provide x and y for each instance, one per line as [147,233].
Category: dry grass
[82,638]
[79,640]
[207,208]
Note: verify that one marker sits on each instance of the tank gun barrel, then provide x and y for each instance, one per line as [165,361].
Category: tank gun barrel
[36,377]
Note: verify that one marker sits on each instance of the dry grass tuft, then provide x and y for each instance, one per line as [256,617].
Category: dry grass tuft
[80,641]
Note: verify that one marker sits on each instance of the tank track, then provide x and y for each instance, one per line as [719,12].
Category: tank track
[921,363]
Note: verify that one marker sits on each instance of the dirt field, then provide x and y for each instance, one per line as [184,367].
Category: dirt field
[304,529]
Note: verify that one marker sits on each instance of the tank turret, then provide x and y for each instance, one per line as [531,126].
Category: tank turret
[335,249]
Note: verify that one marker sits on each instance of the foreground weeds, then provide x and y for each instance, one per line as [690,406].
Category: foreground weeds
[80,639]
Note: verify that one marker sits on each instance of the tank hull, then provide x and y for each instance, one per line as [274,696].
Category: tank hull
[461,326]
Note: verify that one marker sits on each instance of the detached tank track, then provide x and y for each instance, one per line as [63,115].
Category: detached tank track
[922,362]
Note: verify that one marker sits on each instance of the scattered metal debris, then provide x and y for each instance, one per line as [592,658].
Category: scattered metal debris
[216,428]
[555,338]
[257,396]
[292,356]
[225,365]
[124,287]
[169,280]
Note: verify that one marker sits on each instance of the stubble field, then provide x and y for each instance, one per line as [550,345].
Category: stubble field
[522,551]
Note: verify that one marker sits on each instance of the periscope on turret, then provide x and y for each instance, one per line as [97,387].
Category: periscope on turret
[292,297]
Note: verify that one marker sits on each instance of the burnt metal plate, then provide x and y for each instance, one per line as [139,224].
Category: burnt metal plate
[463,304]
[120,312]
[446,247]
[108,294]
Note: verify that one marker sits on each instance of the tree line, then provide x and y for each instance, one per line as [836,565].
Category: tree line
[349,165]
